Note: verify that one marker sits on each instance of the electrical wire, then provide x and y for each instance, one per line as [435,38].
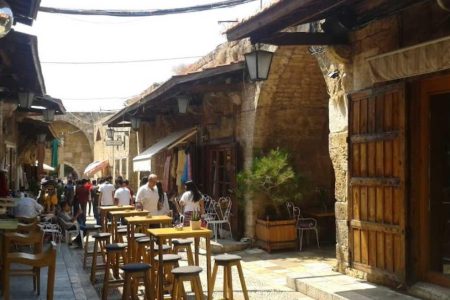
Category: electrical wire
[118,61]
[144,13]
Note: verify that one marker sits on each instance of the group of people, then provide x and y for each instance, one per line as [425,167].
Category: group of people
[71,202]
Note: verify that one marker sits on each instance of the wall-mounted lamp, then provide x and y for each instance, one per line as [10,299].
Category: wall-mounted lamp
[135,123]
[6,18]
[258,64]
[183,102]
[41,137]
[49,115]
[110,133]
[26,99]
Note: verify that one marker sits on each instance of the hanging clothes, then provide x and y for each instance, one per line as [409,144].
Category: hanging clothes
[180,168]
[55,146]
[187,171]
[166,174]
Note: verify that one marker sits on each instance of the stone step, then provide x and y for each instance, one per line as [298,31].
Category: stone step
[429,291]
[329,285]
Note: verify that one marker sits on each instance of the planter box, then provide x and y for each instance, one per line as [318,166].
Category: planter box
[276,235]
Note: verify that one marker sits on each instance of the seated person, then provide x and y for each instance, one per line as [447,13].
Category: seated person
[69,222]
[28,208]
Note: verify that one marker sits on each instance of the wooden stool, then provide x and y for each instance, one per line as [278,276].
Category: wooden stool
[227,261]
[100,241]
[89,229]
[180,244]
[120,234]
[141,249]
[113,253]
[169,262]
[188,273]
[133,272]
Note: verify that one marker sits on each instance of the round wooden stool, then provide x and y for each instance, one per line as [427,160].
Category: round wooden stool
[227,261]
[141,249]
[121,233]
[132,273]
[188,273]
[183,244]
[101,239]
[89,229]
[113,254]
[169,262]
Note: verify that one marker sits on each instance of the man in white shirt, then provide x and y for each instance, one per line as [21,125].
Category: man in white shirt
[107,193]
[122,196]
[147,196]
[27,208]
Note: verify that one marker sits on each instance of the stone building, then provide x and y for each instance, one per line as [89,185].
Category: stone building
[234,120]
[387,76]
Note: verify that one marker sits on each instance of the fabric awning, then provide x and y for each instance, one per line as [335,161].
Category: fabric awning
[48,168]
[95,167]
[143,162]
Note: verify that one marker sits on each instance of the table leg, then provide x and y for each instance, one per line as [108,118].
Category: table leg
[114,229]
[103,220]
[208,267]
[130,233]
[160,270]
[196,247]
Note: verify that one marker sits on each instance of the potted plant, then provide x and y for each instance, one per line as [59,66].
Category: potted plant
[195,220]
[272,182]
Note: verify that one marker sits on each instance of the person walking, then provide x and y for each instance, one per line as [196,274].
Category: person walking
[82,195]
[95,193]
[163,201]
[147,196]
[122,195]
[88,186]
[107,192]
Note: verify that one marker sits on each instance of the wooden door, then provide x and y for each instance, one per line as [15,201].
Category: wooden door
[377,181]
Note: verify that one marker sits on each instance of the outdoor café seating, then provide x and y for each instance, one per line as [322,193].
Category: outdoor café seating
[100,241]
[183,244]
[88,231]
[227,261]
[114,252]
[169,262]
[188,273]
[133,272]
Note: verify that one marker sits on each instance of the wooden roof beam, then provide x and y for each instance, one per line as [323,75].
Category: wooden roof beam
[301,38]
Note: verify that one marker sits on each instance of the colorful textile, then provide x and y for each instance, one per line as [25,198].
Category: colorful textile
[166,174]
[55,145]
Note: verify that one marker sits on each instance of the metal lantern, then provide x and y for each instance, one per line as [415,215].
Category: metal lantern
[258,64]
[6,18]
[110,133]
[135,123]
[49,115]
[41,137]
[183,102]
[26,99]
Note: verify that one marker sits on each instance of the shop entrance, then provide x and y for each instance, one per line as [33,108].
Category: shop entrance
[433,180]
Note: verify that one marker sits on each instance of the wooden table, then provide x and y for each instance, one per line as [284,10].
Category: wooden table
[162,234]
[117,214]
[145,221]
[319,214]
[104,213]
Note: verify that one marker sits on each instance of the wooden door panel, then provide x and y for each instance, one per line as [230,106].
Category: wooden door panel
[377,180]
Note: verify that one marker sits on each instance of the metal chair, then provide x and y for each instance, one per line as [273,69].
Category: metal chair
[305,224]
[223,211]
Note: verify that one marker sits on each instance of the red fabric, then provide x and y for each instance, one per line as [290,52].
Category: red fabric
[166,175]
[4,190]
[82,194]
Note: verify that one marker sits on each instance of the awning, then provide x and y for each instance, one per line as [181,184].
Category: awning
[95,167]
[143,162]
[47,168]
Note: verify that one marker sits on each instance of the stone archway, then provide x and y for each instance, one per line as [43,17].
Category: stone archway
[292,114]
[76,150]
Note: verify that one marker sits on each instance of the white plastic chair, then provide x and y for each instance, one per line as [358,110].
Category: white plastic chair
[76,231]
[222,209]
[305,224]
[54,230]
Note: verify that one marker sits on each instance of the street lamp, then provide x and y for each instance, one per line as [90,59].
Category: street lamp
[6,18]
[49,115]
[110,133]
[135,123]
[258,64]
[183,102]
[26,99]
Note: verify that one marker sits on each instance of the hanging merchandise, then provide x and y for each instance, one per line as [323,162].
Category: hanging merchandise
[166,174]
[180,169]
[55,146]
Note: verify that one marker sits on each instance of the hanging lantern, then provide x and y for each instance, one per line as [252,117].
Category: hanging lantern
[49,115]
[135,123]
[110,133]
[6,18]
[183,102]
[26,99]
[258,64]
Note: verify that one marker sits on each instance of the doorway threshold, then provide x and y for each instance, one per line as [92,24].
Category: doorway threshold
[429,291]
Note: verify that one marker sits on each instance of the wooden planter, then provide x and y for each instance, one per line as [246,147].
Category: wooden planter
[276,235]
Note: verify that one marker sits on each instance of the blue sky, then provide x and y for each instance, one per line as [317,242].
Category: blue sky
[96,38]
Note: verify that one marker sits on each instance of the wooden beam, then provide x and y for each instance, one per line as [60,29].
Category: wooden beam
[300,38]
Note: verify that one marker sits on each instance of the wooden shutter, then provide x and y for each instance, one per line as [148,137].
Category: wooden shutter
[377,181]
